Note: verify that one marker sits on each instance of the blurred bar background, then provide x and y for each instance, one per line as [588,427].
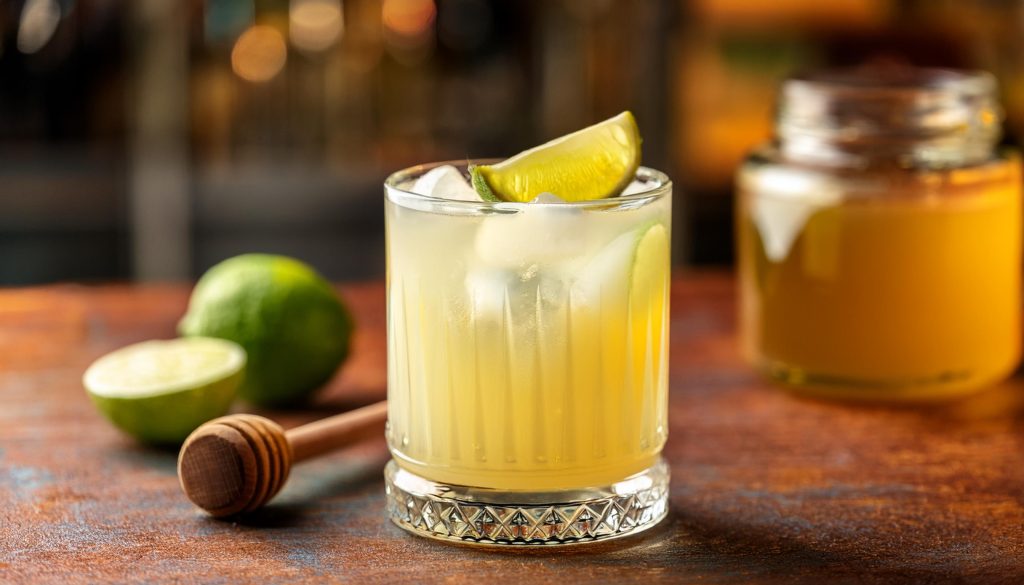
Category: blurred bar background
[149,139]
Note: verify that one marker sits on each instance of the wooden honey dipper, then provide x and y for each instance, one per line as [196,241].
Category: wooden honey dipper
[237,463]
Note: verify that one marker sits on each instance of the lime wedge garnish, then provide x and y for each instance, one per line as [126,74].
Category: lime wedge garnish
[594,163]
[160,391]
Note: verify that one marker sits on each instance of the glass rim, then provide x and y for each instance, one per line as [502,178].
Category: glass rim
[392,186]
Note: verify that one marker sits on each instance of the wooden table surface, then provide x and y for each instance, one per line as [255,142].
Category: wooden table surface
[766,487]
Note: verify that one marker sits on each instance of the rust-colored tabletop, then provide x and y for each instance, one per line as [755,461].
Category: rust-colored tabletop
[766,487]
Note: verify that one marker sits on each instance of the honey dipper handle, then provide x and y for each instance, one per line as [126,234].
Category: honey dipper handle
[337,431]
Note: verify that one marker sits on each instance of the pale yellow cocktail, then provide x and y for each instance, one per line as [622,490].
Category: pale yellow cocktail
[528,341]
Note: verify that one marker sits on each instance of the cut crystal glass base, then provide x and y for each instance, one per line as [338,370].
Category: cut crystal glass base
[487,516]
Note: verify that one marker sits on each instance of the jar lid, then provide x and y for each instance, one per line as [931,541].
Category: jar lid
[890,110]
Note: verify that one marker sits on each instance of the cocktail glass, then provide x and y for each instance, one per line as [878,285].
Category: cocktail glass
[527,364]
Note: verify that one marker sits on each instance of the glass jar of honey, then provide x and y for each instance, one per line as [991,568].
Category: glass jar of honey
[879,237]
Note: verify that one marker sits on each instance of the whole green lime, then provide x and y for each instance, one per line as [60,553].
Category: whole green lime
[294,328]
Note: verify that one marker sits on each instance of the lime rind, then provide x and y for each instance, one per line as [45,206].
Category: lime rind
[160,391]
[596,162]
[481,186]
[167,419]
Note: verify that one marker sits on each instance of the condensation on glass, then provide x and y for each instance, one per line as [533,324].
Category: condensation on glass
[879,237]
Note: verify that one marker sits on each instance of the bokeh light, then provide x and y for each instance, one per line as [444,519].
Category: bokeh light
[408,18]
[315,25]
[39,20]
[409,29]
[259,54]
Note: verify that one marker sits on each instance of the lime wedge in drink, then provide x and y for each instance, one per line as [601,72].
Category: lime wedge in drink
[649,277]
[631,271]
[648,301]
[650,266]
[594,163]
[160,391]
[635,264]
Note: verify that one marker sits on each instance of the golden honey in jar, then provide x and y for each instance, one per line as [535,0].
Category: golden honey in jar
[879,237]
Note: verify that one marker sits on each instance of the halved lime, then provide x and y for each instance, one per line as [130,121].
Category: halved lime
[160,391]
[594,163]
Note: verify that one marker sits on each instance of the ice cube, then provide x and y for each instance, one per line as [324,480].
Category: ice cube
[445,182]
[486,290]
[534,234]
